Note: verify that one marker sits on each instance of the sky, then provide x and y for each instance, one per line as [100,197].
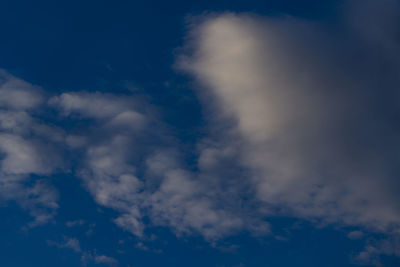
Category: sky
[200,133]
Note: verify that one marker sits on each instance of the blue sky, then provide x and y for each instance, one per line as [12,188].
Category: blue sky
[199,133]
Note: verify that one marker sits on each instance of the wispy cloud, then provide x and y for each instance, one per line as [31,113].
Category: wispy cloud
[125,142]
[86,256]
[28,147]
[74,223]
[70,243]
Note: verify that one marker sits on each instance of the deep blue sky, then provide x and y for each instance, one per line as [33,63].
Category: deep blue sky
[90,44]
[114,46]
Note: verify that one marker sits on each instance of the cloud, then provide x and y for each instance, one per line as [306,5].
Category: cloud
[18,94]
[28,147]
[375,249]
[103,259]
[183,203]
[108,147]
[127,163]
[21,156]
[70,243]
[301,122]
[355,234]
[288,125]
[75,223]
[96,105]
[305,118]
[98,259]
[86,256]
[131,165]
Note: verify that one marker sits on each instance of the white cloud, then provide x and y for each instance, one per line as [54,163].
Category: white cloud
[374,249]
[355,234]
[182,203]
[28,147]
[98,259]
[21,156]
[74,223]
[123,170]
[103,259]
[108,151]
[18,94]
[93,105]
[311,137]
[86,256]
[70,243]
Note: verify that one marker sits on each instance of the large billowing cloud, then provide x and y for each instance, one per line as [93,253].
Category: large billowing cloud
[311,117]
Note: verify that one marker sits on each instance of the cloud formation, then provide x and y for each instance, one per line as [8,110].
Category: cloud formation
[86,256]
[29,150]
[314,130]
[70,243]
[301,123]
[131,165]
